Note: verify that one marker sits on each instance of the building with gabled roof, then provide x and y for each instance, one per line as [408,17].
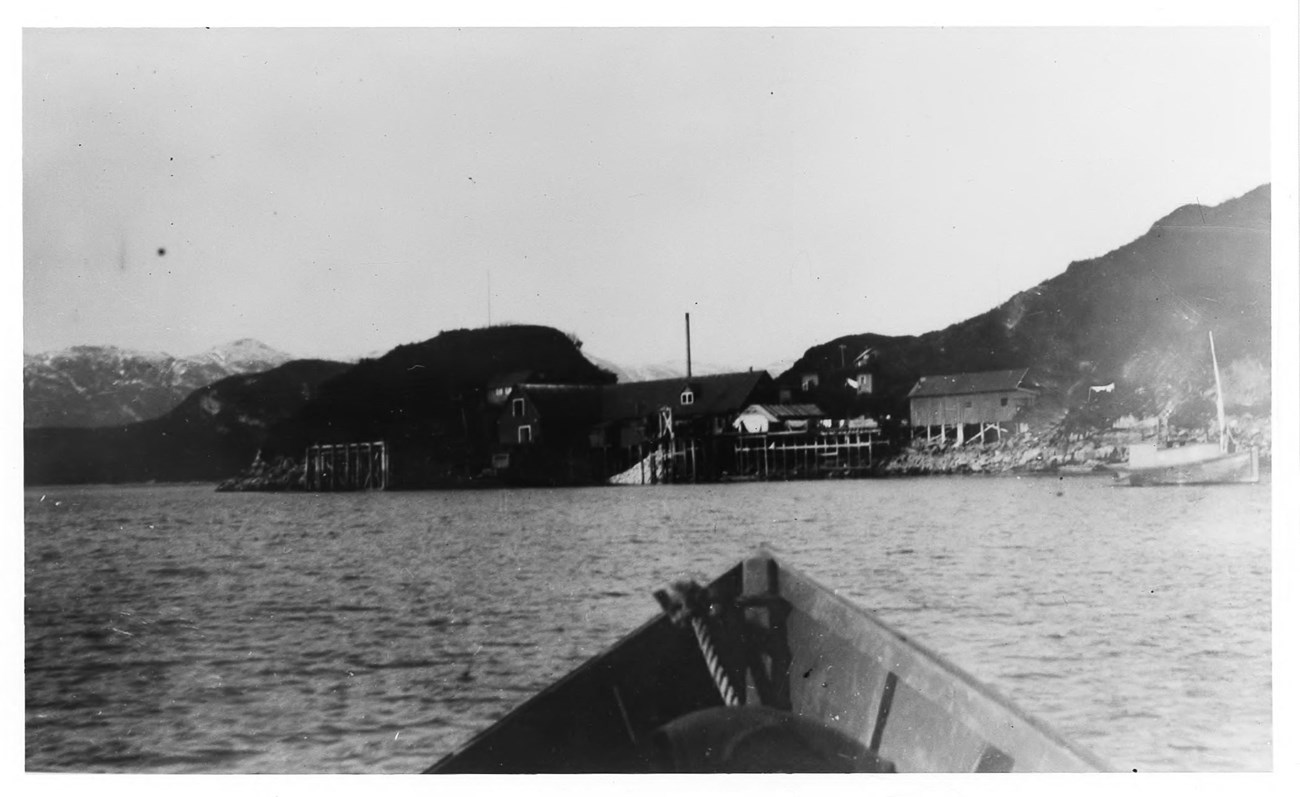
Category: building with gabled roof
[543,413]
[989,400]
[965,384]
[680,429]
[637,411]
[690,397]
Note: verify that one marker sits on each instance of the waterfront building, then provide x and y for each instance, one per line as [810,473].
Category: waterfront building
[972,405]
[610,427]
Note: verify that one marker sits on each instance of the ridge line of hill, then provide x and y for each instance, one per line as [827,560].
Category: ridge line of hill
[1136,317]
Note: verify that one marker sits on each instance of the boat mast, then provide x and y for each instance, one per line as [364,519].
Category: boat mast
[1218,396]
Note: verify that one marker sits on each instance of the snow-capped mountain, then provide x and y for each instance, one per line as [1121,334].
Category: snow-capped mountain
[109,386]
[243,355]
[662,370]
[674,369]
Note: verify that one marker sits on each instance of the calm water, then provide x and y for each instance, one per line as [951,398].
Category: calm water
[174,629]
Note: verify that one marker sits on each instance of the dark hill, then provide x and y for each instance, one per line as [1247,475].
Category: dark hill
[1137,316]
[213,433]
[429,399]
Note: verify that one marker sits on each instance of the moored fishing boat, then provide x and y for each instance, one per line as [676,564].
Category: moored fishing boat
[765,670]
[1199,463]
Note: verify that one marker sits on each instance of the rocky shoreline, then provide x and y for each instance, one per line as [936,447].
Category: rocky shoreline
[1049,450]
[282,474]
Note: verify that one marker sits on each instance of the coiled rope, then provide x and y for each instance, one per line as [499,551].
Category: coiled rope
[720,679]
[686,601]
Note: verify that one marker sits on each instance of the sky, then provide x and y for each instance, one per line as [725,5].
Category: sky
[338,192]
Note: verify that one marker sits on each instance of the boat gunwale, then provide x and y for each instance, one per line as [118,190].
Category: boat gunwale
[589,665]
[947,666]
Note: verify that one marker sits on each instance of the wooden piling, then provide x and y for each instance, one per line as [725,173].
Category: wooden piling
[347,466]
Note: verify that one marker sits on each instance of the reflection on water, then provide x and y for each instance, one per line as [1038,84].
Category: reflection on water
[174,629]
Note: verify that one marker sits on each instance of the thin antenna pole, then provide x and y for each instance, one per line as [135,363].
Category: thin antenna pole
[688,345]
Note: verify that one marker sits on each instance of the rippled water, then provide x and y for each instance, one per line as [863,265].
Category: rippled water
[174,629]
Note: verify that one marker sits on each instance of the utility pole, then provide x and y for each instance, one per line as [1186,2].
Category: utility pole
[688,345]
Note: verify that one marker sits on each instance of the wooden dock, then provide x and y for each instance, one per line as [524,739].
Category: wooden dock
[336,467]
[804,455]
[766,456]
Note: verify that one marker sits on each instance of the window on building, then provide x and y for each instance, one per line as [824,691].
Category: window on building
[1004,401]
[968,405]
[526,433]
[687,397]
[809,382]
[864,383]
[517,408]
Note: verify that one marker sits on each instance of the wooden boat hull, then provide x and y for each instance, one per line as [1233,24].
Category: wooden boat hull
[1238,467]
[789,645]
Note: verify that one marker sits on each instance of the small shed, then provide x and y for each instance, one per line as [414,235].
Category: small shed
[763,418]
[988,400]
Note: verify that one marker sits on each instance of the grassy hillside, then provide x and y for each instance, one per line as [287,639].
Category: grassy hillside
[1137,316]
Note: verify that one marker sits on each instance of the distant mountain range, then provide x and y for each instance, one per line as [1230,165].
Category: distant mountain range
[1137,316]
[88,386]
[669,370]
[213,433]
[429,396]
[99,386]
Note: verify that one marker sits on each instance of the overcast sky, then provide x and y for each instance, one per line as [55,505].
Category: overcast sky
[340,192]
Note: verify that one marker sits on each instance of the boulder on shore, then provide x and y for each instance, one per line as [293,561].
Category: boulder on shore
[280,475]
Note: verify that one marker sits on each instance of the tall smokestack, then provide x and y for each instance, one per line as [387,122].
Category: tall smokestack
[688,345]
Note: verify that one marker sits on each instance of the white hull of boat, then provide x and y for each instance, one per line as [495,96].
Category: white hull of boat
[1202,463]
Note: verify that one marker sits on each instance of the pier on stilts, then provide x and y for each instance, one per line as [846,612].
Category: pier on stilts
[335,467]
[765,456]
[801,455]
[682,454]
